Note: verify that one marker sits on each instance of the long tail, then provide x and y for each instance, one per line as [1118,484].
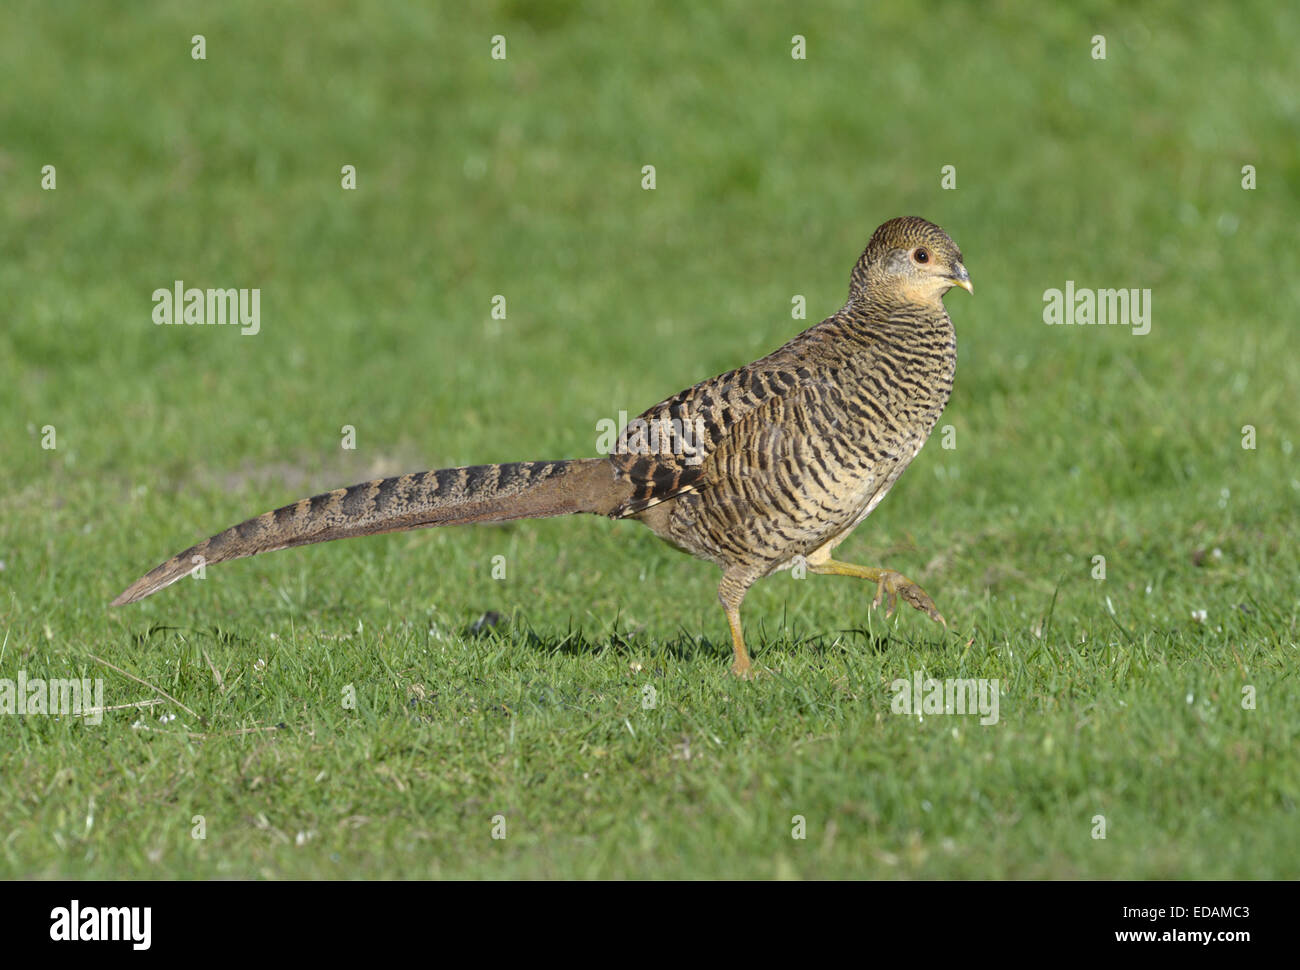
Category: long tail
[449,496]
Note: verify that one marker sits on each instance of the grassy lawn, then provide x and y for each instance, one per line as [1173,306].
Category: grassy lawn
[339,711]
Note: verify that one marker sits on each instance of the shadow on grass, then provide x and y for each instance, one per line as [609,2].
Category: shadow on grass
[684,646]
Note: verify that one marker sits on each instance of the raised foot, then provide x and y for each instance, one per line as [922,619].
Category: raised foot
[892,585]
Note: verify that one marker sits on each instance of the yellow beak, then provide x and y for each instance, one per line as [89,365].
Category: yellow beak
[962,278]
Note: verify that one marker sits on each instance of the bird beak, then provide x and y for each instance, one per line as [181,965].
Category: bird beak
[961,278]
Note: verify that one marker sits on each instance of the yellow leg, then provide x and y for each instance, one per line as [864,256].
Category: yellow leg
[742,667]
[731,592]
[888,584]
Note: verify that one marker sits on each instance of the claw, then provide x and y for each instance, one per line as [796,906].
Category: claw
[892,584]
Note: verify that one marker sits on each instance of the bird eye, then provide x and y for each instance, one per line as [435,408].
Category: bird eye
[921,256]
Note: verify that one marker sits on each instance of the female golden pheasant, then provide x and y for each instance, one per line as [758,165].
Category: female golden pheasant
[751,470]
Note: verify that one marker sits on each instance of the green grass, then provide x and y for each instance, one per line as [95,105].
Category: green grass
[522,178]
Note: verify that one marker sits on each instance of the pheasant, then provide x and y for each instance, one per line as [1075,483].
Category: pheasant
[757,469]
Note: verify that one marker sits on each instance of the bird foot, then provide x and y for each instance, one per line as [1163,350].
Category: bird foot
[892,585]
[745,671]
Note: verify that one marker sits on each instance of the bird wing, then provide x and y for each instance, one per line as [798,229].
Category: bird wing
[671,448]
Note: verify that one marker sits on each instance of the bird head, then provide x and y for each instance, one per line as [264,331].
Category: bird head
[911,257]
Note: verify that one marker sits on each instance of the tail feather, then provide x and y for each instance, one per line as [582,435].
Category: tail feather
[448,496]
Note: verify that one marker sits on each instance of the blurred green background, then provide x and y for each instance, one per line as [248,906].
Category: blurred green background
[523,177]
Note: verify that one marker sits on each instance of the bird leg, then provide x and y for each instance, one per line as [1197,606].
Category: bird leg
[889,584]
[731,592]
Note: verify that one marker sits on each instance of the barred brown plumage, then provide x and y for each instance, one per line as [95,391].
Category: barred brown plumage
[787,454]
